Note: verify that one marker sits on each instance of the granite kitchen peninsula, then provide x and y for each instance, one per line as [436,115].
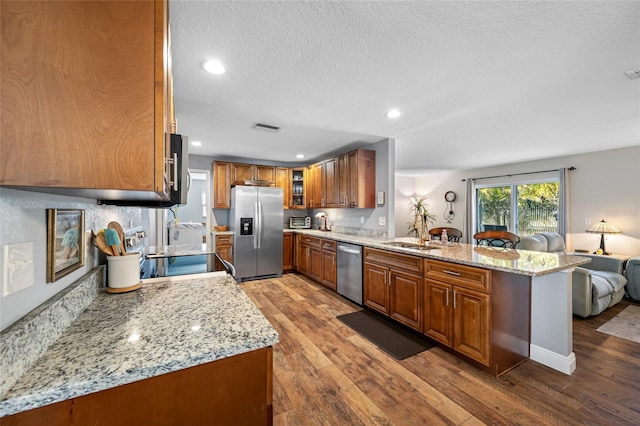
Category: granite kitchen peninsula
[492,307]
[189,351]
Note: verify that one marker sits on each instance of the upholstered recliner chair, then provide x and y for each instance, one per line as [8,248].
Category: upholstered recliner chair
[632,273]
[596,285]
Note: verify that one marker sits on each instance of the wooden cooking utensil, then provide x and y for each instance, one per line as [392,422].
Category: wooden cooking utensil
[116,226]
[113,240]
[99,241]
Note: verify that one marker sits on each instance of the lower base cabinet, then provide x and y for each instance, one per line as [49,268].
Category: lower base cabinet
[231,391]
[224,249]
[480,314]
[393,285]
[316,259]
[287,252]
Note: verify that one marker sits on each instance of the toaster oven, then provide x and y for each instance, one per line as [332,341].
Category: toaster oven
[300,222]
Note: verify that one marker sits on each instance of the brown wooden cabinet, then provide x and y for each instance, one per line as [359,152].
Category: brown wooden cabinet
[232,390]
[221,185]
[316,259]
[314,186]
[84,108]
[282,181]
[361,179]
[224,249]
[342,181]
[478,313]
[457,308]
[242,171]
[329,264]
[287,252]
[298,188]
[329,182]
[226,173]
[393,285]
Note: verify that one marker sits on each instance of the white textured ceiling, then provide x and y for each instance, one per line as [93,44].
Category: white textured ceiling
[479,83]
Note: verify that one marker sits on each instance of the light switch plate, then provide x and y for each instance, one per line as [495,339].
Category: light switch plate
[18,267]
[382,221]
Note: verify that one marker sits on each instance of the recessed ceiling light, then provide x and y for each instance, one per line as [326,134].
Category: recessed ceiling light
[214,67]
[300,156]
[196,143]
[393,113]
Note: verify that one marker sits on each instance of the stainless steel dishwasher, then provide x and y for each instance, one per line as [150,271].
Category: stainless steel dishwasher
[350,272]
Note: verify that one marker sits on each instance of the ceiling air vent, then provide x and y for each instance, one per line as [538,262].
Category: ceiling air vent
[633,73]
[265,127]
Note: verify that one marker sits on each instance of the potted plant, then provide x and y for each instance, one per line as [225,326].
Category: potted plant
[422,217]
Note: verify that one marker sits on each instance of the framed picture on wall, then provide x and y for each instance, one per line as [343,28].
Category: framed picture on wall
[65,242]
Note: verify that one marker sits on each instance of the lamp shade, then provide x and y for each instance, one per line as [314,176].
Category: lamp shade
[603,227]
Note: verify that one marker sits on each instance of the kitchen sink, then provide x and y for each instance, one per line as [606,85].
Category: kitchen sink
[408,245]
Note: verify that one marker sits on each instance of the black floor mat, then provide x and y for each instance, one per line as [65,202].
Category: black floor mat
[395,340]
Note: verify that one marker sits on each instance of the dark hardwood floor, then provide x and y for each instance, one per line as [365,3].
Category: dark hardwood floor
[326,374]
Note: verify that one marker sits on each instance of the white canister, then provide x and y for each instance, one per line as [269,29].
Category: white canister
[123,271]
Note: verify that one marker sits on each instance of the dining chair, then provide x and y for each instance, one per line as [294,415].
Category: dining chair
[497,239]
[453,234]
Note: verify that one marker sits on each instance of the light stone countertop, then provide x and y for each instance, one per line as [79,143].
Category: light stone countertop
[123,338]
[522,262]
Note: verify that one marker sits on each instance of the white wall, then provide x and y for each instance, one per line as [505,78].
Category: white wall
[605,185]
[24,219]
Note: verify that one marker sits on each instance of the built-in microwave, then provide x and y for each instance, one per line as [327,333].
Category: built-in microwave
[300,222]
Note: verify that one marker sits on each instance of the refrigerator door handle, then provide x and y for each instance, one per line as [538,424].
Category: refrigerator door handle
[256,230]
[259,217]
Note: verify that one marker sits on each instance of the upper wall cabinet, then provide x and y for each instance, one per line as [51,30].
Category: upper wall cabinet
[226,173]
[86,97]
[345,181]
[221,185]
[240,171]
[361,179]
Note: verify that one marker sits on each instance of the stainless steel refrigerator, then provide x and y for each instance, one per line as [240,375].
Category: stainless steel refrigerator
[256,220]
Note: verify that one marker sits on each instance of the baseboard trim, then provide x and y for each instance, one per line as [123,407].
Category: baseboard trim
[561,363]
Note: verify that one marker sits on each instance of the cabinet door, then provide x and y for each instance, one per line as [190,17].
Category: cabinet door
[438,311]
[376,288]
[361,166]
[282,181]
[329,271]
[221,185]
[240,171]
[405,300]
[84,94]
[267,173]
[315,264]
[287,252]
[329,182]
[302,259]
[342,179]
[224,249]
[297,185]
[471,324]
[314,186]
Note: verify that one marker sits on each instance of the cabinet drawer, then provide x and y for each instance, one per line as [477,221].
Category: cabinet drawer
[464,276]
[311,241]
[405,262]
[328,246]
[224,240]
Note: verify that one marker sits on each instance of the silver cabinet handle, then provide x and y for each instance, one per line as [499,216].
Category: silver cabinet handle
[454,299]
[447,297]
[457,274]
[176,181]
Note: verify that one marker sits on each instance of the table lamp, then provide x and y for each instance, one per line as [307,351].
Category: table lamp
[602,228]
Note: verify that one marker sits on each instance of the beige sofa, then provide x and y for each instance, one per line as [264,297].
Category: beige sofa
[596,286]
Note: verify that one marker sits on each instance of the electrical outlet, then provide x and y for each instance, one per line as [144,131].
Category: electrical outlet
[587,221]
[17,272]
[381,221]
[362,219]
